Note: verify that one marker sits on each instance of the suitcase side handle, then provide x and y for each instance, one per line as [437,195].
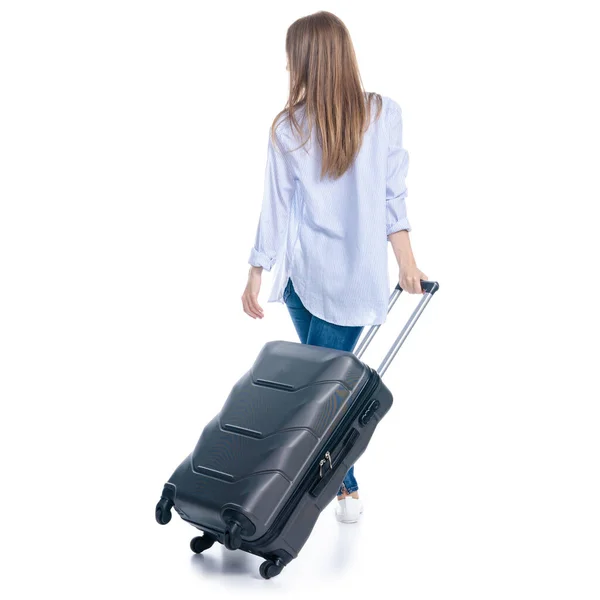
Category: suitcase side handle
[429,289]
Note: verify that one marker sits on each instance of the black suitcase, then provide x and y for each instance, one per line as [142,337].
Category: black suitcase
[275,456]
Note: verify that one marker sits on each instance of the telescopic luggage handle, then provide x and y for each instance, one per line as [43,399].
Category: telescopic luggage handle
[429,289]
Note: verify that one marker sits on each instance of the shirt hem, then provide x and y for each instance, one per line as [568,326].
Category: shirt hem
[380,320]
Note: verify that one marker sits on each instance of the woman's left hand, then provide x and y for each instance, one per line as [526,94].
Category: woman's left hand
[250,296]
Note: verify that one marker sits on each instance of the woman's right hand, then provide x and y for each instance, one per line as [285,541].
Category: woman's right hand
[410,275]
[250,296]
[410,279]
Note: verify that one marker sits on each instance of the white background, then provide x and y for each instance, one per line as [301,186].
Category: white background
[133,139]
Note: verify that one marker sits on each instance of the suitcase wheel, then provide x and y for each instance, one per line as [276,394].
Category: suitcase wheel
[271,568]
[163,511]
[201,543]
[233,536]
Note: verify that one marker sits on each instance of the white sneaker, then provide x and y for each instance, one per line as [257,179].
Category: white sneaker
[348,510]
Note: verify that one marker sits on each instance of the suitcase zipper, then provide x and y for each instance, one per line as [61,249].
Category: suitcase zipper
[312,478]
[339,456]
[323,462]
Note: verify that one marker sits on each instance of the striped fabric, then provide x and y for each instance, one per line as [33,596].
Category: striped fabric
[330,236]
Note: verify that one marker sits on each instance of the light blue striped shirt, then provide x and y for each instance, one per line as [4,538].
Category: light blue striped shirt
[330,236]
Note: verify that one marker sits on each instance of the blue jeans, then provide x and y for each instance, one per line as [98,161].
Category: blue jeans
[315,331]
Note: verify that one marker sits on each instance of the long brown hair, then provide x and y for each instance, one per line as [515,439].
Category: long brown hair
[325,80]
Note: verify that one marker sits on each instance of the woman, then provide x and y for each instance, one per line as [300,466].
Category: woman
[334,195]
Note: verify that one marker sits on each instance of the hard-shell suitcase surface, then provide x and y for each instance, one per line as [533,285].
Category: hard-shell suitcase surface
[276,454]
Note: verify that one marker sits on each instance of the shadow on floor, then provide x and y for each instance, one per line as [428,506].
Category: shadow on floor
[220,561]
[345,546]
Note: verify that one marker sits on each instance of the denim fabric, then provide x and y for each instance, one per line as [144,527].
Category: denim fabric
[316,332]
[349,483]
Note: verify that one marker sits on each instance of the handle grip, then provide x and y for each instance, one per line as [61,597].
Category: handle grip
[428,287]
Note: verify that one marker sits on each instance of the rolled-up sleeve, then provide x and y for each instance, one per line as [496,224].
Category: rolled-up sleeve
[397,169]
[274,215]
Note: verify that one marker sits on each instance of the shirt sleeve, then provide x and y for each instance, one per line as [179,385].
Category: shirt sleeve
[397,168]
[274,215]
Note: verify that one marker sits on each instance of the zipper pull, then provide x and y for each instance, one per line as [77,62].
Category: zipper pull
[323,462]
